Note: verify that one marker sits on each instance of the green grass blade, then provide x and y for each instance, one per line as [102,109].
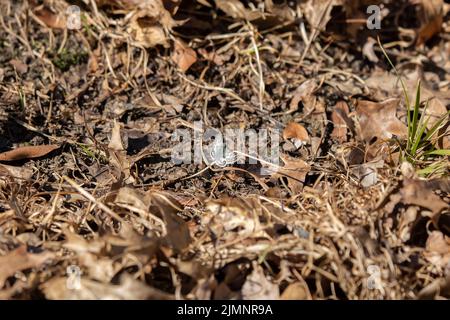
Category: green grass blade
[439,152]
[405,92]
[415,115]
[431,169]
[436,126]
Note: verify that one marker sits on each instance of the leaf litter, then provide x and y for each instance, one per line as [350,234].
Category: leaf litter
[87,119]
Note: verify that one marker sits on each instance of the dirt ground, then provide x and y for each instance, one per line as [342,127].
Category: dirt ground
[93,205]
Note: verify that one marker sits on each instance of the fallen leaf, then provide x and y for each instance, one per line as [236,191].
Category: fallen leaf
[367,173]
[378,119]
[211,56]
[16,172]
[295,170]
[49,18]
[150,24]
[297,133]
[128,289]
[305,94]
[340,118]
[437,288]
[419,193]
[183,55]
[167,208]
[318,12]
[20,259]
[237,10]
[21,67]
[296,291]
[431,14]
[230,217]
[438,249]
[118,155]
[27,152]
[368,51]
[88,254]
[116,143]
[258,287]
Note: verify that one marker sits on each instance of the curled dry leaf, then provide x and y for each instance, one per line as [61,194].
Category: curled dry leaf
[295,171]
[378,119]
[438,249]
[150,23]
[296,291]
[88,253]
[162,207]
[258,287]
[128,289]
[438,288]
[20,259]
[297,133]
[340,119]
[231,217]
[167,208]
[318,12]
[183,55]
[420,193]
[21,67]
[211,56]
[118,155]
[16,172]
[368,50]
[367,173]
[28,152]
[49,18]
[235,9]
[305,94]
[116,143]
[431,14]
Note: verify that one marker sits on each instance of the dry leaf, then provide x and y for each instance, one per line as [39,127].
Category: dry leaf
[20,259]
[16,172]
[118,155]
[297,133]
[340,118]
[304,93]
[378,119]
[167,208]
[28,152]
[21,67]
[128,289]
[230,217]
[318,12]
[183,55]
[438,288]
[150,23]
[295,170]
[419,193]
[88,253]
[296,291]
[367,173]
[211,56]
[50,19]
[258,287]
[438,249]
[368,50]
[431,13]
[236,10]
[116,142]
